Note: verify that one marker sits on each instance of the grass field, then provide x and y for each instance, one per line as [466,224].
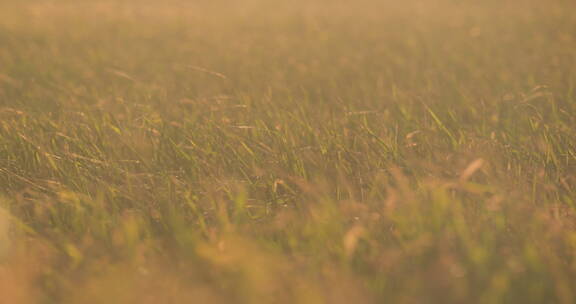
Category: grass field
[267,151]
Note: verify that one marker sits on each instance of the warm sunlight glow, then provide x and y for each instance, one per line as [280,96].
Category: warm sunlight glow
[270,151]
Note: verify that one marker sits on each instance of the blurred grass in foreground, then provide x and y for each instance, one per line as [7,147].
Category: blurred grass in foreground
[287,152]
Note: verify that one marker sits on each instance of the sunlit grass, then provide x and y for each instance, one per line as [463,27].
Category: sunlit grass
[287,152]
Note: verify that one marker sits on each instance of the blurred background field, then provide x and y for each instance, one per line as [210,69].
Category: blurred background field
[316,151]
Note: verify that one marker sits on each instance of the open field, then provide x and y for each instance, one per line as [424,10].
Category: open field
[306,151]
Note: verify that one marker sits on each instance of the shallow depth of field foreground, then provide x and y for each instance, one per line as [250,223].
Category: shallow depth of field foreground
[307,151]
